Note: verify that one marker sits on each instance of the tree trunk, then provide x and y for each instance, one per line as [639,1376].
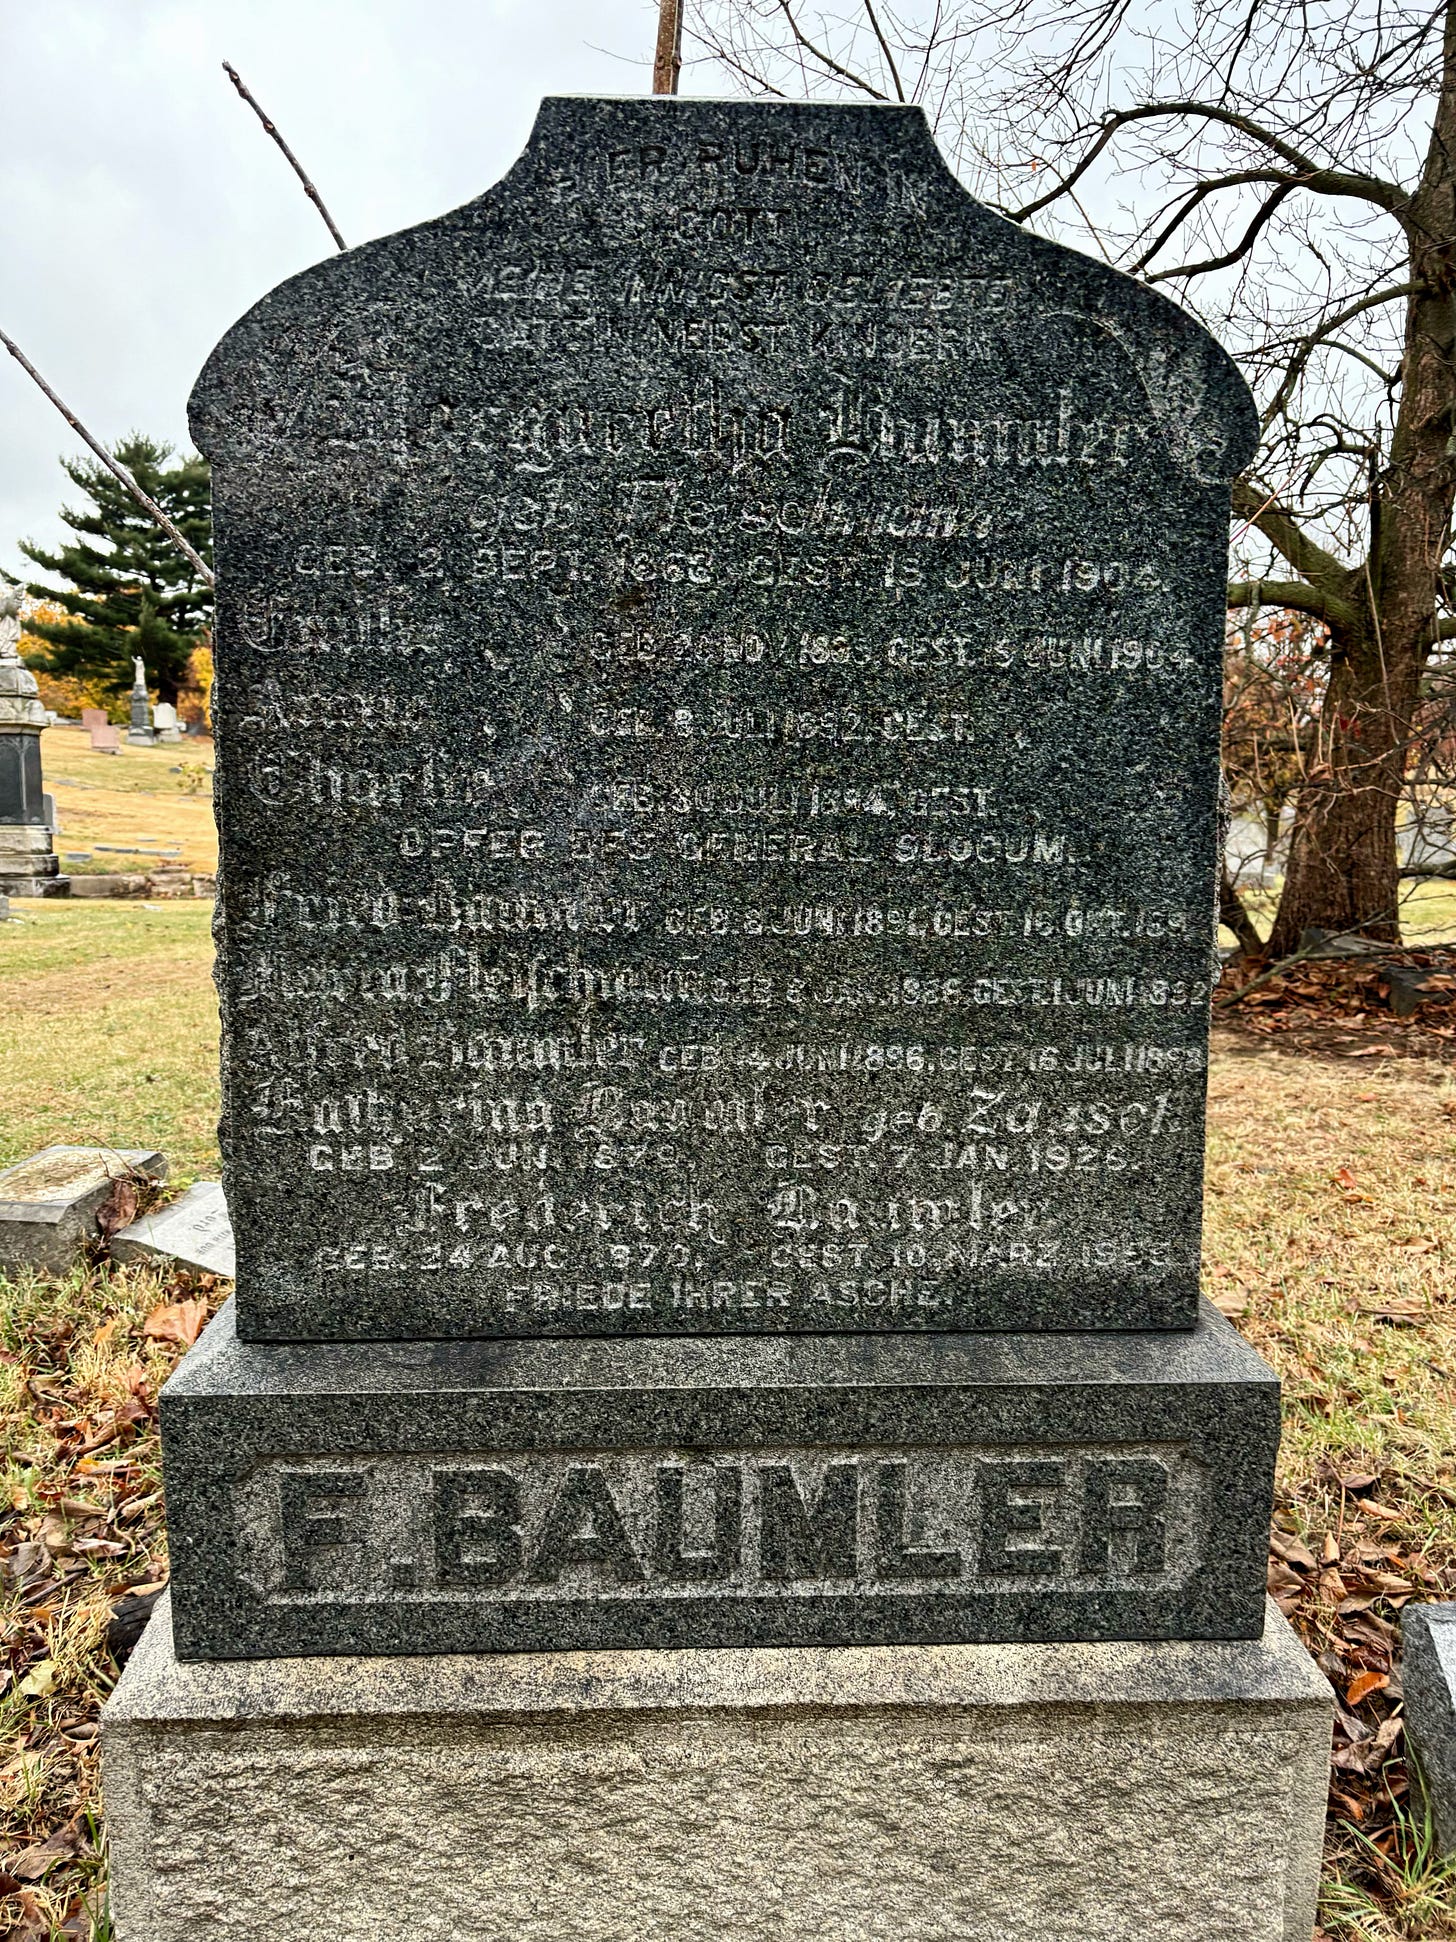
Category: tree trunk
[1343,872]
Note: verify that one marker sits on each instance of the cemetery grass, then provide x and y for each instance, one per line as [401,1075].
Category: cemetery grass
[116,811]
[108,1030]
[1331,1240]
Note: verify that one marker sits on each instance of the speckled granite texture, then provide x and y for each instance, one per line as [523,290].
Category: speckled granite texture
[517,1496]
[719,664]
[1428,1679]
[1020,1793]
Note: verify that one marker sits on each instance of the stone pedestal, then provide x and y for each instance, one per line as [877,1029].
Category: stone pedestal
[967,1793]
[29,866]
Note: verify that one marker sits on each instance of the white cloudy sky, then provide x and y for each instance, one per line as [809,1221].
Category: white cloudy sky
[142,208]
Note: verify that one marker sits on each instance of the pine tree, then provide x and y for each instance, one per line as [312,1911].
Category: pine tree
[134,592]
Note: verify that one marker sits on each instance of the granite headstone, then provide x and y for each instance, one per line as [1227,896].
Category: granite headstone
[718,651]
[1428,1678]
[718,741]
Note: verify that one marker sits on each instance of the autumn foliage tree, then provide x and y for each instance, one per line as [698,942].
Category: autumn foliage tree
[1288,169]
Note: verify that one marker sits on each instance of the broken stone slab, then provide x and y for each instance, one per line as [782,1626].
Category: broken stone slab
[1153,1792]
[193,1230]
[1428,1679]
[1412,986]
[1318,943]
[49,1203]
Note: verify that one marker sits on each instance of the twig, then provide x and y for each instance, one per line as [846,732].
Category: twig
[148,505]
[271,128]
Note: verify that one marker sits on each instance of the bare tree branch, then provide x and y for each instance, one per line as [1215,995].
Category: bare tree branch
[293,162]
[1240,249]
[884,49]
[1386,195]
[144,499]
[826,61]
[1298,594]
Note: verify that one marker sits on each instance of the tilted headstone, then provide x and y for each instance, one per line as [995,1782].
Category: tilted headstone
[720,650]
[193,1230]
[49,1203]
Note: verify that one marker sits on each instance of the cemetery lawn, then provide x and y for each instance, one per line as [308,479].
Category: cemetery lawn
[117,812]
[108,1029]
[1331,1240]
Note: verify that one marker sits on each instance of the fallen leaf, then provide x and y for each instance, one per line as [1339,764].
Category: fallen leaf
[120,1209]
[178,1321]
[1363,1684]
[1292,1551]
[1282,1579]
[1331,1587]
[1342,1177]
[1357,1481]
[33,1863]
[1233,1305]
[1395,1310]
[102,1335]
[40,1681]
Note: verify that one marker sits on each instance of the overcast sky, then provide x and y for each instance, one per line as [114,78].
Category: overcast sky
[142,208]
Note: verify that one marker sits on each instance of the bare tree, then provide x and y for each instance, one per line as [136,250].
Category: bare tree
[1288,167]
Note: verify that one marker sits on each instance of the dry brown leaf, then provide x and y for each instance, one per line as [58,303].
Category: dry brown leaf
[120,1209]
[1363,1684]
[177,1321]
[32,1864]
[1292,1551]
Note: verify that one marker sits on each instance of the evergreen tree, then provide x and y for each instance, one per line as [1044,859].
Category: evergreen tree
[130,590]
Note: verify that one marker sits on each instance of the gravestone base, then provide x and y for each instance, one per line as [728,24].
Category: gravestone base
[426,1497]
[964,1793]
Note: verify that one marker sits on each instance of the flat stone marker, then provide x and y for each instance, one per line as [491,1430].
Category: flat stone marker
[48,1203]
[718,756]
[1428,1679]
[193,1230]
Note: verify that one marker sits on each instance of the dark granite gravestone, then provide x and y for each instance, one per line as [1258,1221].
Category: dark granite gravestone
[720,667]
[718,650]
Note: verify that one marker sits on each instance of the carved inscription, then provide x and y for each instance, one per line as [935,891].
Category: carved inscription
[718,719]
[786,1523]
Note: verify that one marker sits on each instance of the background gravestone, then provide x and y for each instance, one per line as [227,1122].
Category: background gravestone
[718,734]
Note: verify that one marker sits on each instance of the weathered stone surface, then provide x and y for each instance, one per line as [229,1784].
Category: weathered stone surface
[1428,1680]
[48,1203]
[719,648]
[1021,1793]
[508,1496]
[194,1230]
